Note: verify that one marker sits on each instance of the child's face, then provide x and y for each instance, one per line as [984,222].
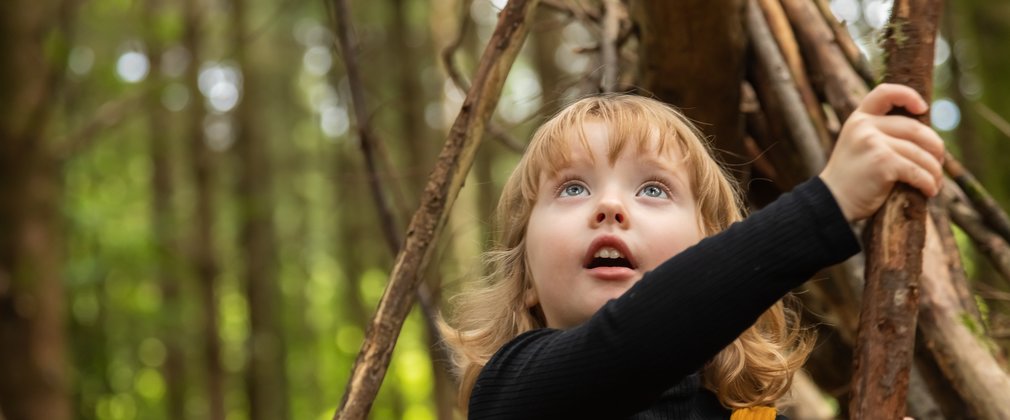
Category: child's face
[640,210]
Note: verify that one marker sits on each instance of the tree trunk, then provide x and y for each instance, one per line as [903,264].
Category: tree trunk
[266,380]
[691,55]
[203,255]
[33,374]
[886,340]
[163,225]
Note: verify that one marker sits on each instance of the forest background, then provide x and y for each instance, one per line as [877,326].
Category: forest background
[194,216]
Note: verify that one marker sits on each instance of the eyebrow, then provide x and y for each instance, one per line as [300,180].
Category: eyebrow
[659,163]
[678,174]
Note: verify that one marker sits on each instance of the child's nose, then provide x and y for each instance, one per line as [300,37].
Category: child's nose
[611,211]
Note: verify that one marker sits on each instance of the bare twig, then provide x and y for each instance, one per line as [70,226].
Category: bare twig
[440,193]
[993,118]
[848,46]
[345,38]
[991,245]
[992,214]
[460,82]
[369,143]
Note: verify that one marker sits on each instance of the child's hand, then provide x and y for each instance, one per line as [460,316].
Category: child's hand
[875,150]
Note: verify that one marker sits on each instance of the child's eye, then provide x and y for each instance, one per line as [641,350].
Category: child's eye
[653,190]
[573,190]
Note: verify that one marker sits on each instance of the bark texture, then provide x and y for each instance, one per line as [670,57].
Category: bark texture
[33,368]
[691,55]
[897,232]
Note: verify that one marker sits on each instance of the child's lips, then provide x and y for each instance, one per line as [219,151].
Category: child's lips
[612,273]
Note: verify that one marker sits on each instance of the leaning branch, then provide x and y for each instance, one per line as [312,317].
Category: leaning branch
[992,214]
[773,65]
[991,245]
[369,145]
[829,67]
[958,349]
[457,78]
[443,187]
[883,354]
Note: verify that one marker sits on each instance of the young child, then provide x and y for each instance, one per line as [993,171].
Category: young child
[625,283]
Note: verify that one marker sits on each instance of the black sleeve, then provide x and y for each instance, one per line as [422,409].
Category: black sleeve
[671,322]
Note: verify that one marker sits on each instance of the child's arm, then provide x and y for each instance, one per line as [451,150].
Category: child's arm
[875,150]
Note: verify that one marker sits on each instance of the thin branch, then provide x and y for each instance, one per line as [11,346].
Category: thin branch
[988,243]
[991,212]
[345,39]
[798,121]
[847,44]
[780,29]
[993,118]
[830,69]
[428,222]
[989,292]
[369,144]
[448,53]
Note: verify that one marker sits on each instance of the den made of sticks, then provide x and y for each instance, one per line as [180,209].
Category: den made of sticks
[250,209]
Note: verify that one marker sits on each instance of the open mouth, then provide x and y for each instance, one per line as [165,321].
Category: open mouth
[609,257]
[608,251]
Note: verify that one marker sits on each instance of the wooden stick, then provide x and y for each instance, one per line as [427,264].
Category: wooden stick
[457,79]
[778,23]
[436,200]
[992,214]
[886,340]
[847,45]
[370,144]
[994,247]
[960,353]
[833,75]
[830,70]
[802,132]
[345,38]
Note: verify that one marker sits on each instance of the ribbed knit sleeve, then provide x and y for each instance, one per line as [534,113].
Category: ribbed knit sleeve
[671,322]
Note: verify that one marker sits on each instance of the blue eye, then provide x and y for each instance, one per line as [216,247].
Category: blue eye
[652,190]
[573,190]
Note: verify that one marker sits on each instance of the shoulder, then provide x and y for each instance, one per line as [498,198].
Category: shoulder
[519,348]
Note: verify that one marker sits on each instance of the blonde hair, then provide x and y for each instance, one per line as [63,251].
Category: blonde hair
[756,369]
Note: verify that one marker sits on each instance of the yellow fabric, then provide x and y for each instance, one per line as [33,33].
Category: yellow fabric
[754,413]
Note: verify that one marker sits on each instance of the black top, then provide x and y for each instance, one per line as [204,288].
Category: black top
[637,356]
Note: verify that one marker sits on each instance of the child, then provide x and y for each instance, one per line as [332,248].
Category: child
[625,282]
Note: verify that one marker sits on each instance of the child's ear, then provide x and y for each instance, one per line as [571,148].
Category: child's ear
[531,297]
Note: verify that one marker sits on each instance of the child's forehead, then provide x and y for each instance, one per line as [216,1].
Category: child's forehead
[596,140]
